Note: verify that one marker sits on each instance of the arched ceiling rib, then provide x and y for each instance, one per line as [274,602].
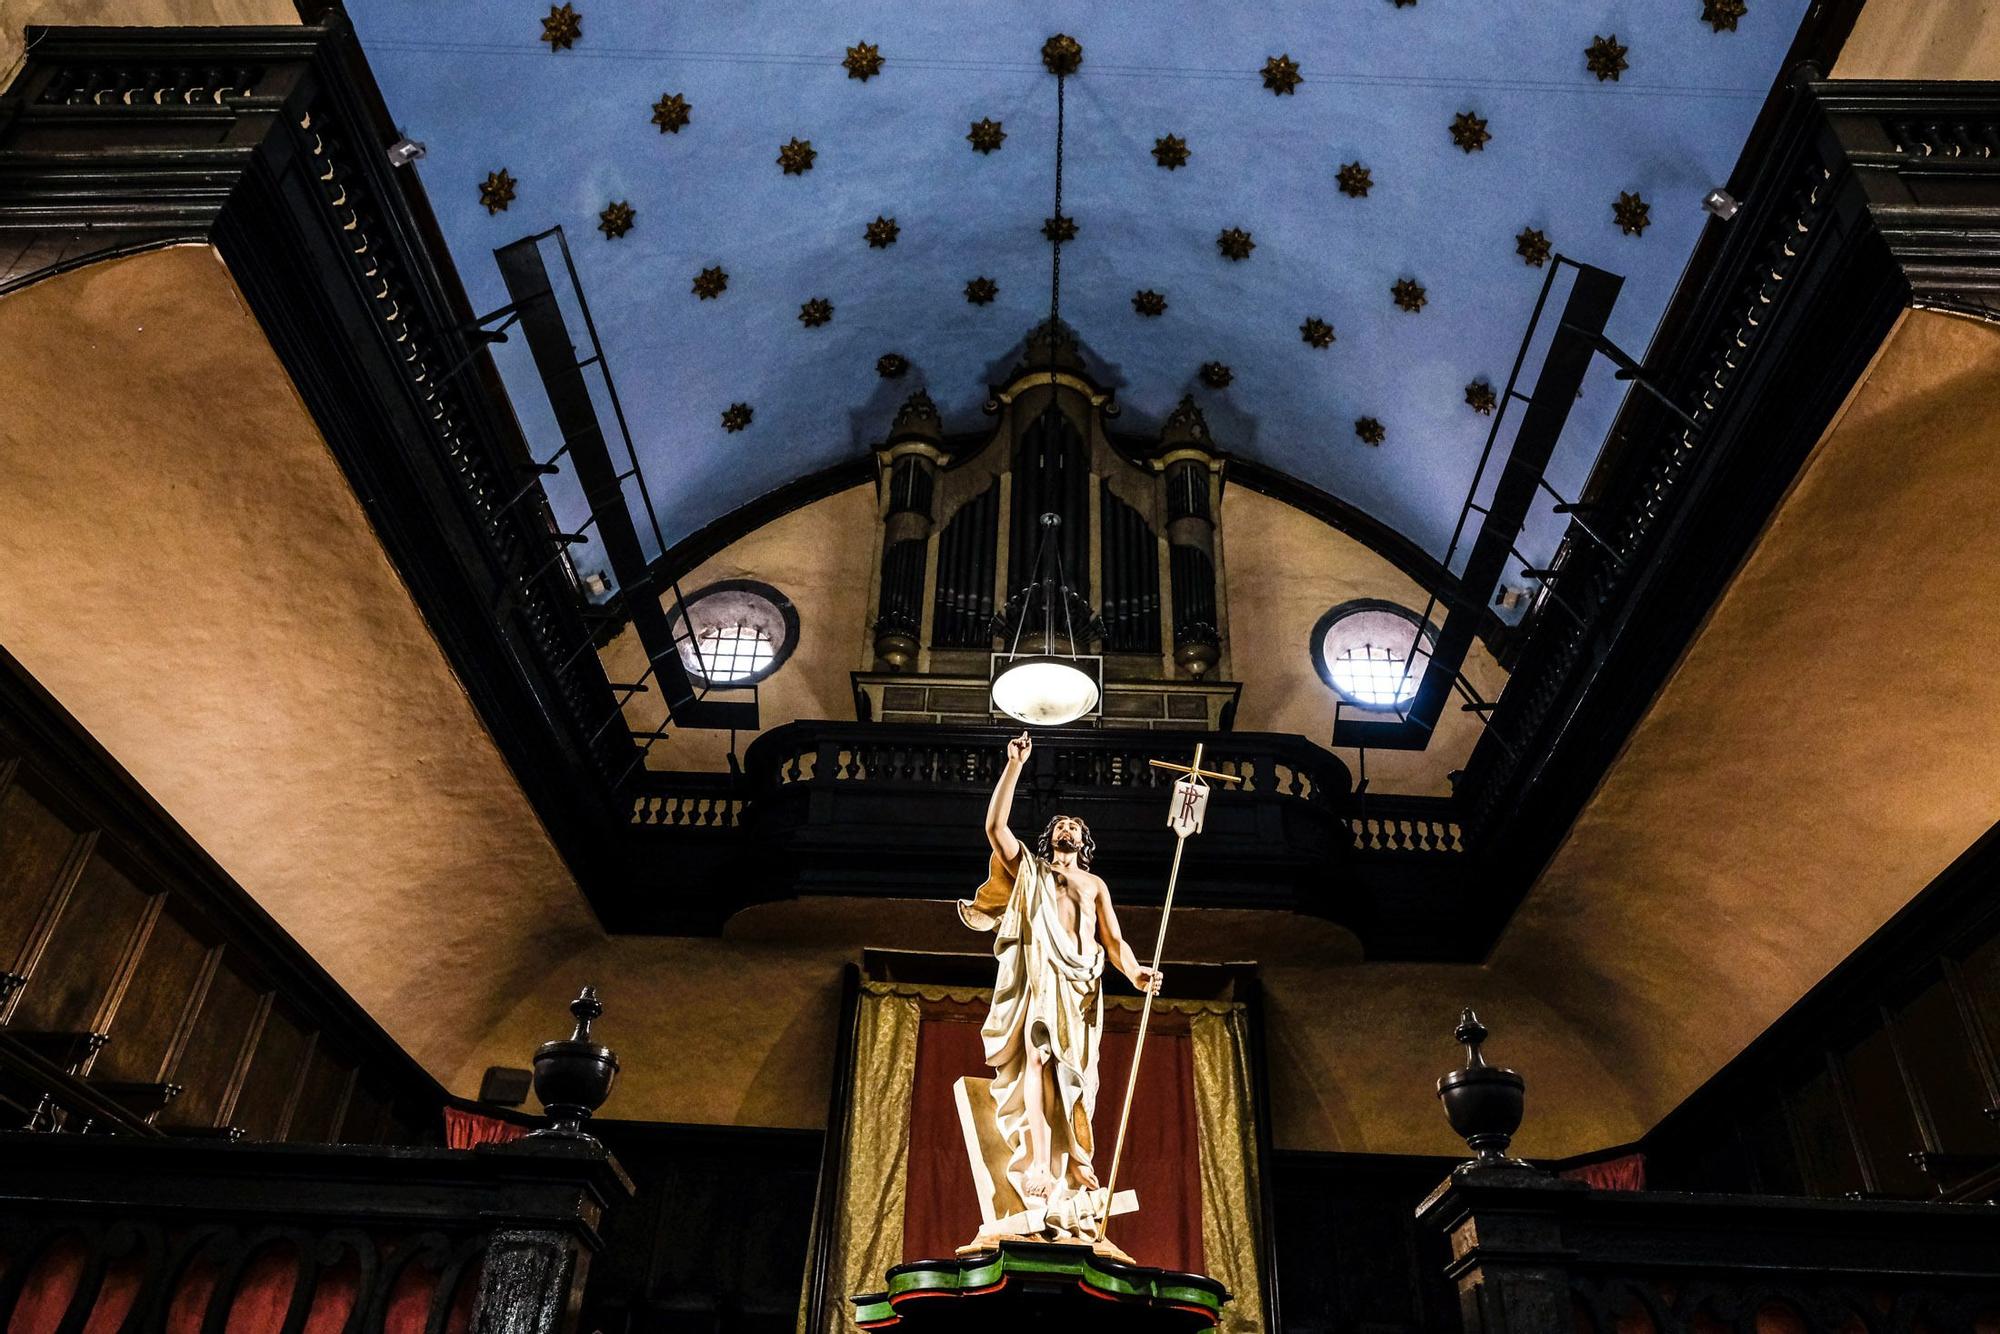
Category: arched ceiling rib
[1382,83]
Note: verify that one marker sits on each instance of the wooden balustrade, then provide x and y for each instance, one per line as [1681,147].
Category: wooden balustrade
[161,1234]
[1531,1253]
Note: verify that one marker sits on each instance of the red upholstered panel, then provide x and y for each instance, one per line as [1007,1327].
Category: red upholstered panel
[1161,1153]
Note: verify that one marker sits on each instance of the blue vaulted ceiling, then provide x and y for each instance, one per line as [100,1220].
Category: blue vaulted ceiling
[1382,81]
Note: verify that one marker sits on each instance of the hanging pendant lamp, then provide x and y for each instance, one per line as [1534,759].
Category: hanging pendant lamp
[1047,688]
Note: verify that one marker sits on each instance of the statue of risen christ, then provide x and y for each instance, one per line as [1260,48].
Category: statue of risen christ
[1053,927]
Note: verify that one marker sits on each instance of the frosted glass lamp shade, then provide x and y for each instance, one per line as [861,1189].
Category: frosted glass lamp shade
[1044,691]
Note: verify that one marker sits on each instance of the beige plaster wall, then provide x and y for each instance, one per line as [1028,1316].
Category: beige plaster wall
[17,15]
[183,564]
[1923,39]
[1829,744]
[819,556]
[1284,570]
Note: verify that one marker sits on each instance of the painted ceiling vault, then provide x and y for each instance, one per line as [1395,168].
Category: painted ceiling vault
[1344,204]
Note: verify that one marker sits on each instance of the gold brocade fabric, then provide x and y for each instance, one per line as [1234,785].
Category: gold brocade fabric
[874,1167]
[1227,1135]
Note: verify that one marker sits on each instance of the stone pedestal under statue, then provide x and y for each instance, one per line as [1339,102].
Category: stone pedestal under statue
[1039,1285]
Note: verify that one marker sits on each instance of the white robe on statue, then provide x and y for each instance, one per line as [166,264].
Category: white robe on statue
[1047,995]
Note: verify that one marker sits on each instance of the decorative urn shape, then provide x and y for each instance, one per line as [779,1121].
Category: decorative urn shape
[1483,1102]
[573,1075]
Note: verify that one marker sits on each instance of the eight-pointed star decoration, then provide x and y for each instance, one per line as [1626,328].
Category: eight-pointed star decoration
[1234,243]
[671,112]
[1721,15]
[736,416]
[1281,75]
[1631,213]
[496,191]
[710,283]
[1479,397]
[1060,228]
[1370,430]
[1216,375]
[892,365]
[881,233]
[1409,294]
[562,27]
[815,312]
[981,291]
[796,157]
[1316,332]
[863,61]
[1062,55]
[985,135]
[616,219]
[1354,180]
[1468,131]
[1149,303]
[1605,58]
[1532,245]
[1170,151]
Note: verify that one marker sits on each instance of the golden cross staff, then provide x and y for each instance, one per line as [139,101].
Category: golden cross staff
[1184,818]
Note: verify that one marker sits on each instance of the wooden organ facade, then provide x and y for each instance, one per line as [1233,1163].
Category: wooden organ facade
[1138,540]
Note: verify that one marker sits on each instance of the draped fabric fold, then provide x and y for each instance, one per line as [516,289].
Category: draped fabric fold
[869,1235]
[1231,1210]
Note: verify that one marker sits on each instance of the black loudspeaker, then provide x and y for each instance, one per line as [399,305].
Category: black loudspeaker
[504,1086]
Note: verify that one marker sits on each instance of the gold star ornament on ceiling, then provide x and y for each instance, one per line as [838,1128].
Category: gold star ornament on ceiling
[1149,303]
[1468,131]
[981,291]
[1170,151]
[1479,397]
[1605,58]
[736,416]
[1316,332]
[1060,228]
[892,365]
[562,27]
[796,157]
[711,283]
[1370,430]
[1721,15]
[986,136]
[1234,243]
[496,191]
[616,219]
[1532,245]
[671,112]
[1281,75]
[1062,55]
[1216,375]
[1631,213]
[816,312]
[863,61]
[881,233]
[1409,294]
[1354,180]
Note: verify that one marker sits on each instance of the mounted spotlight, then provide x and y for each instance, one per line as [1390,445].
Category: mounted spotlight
[1721,203]
[1052,687]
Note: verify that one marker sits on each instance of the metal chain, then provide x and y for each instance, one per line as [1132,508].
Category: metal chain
[1055,267]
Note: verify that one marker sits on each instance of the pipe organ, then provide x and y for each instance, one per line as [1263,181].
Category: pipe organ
[1139,545]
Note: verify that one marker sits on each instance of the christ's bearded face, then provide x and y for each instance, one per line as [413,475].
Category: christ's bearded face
[1066,834]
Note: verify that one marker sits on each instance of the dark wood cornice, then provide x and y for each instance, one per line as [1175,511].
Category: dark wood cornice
[340,262]
[1856,208]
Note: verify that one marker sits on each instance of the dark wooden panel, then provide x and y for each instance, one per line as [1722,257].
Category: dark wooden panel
[265,1102]
[72,989]
[231,1014]
[1981,971]
[367,1120]
[1883,1115]
[322,1101]
[166,985]
[1939,1054]
[36,847]
[1831,1166]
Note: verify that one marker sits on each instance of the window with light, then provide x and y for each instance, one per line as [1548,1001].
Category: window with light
[1372,653]
[736,632]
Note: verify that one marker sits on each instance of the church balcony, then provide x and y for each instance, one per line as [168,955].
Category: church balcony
[895,810]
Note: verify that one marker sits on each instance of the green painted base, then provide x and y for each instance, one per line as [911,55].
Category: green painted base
[1024,1283]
